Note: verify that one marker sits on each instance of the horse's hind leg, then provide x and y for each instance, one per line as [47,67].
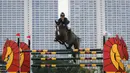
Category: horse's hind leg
[76,46]
[73,54]
[70,47]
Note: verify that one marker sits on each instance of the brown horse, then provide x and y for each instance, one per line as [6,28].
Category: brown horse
[67,38]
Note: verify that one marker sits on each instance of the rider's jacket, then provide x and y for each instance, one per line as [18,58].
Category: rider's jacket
[65,22]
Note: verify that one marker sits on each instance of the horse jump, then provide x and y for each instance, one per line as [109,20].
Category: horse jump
[110,64]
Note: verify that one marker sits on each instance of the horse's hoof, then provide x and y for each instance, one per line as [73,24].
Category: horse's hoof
[62,43]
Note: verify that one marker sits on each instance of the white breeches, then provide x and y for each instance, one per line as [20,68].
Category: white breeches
[69,26]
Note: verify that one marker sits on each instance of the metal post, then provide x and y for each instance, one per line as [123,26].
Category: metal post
[18,42]
[104,39]
[28,37]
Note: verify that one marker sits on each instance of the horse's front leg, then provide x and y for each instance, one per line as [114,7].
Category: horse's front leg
[61,42]
[69,46]
[73,53]
[56,36]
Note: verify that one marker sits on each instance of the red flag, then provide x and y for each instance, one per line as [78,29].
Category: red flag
[18,34]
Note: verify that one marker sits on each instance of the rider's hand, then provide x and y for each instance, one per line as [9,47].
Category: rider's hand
[56,21]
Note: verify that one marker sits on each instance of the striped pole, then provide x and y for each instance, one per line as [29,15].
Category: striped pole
[74,50]
[81,52]
[66,65]
[3,69]
[81,58]
[3,66]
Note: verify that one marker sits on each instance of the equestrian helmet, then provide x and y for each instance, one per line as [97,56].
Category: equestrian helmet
[62,14]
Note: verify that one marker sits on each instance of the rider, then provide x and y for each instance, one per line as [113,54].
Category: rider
[64,21]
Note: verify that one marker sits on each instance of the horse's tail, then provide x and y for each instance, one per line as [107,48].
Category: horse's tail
[79,39]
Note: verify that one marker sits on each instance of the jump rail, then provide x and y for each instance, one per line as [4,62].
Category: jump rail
[66,65]
[81,52]
[61,50]
[81,58]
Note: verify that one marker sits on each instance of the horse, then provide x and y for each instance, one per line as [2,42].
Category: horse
[67,38]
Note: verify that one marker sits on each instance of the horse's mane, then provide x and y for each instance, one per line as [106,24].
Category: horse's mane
[61,26]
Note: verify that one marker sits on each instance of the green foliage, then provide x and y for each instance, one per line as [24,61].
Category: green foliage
[128,71]
[63,70]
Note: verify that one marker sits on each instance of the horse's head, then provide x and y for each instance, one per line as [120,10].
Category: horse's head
[61,32]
